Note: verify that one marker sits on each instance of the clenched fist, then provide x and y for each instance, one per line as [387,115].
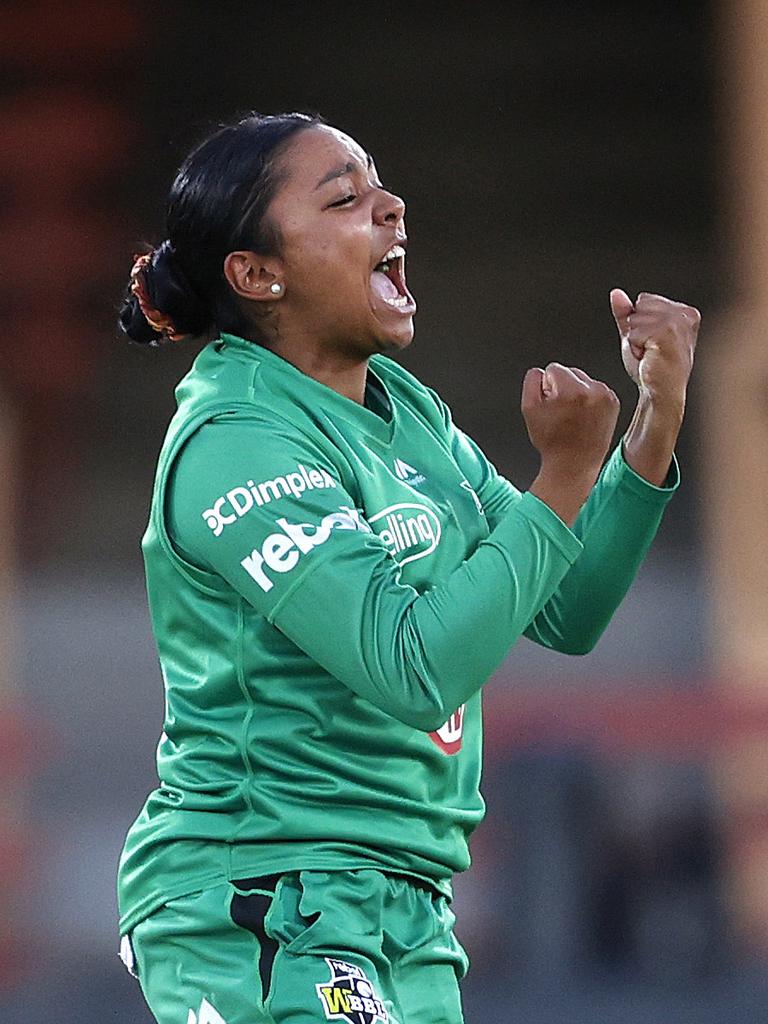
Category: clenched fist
[658,340]
[569,416]
[570,419]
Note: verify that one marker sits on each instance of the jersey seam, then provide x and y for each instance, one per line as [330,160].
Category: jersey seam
[248,717]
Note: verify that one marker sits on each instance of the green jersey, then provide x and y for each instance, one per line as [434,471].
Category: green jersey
[330,584]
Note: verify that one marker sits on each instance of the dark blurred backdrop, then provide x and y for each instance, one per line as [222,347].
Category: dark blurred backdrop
[547,152]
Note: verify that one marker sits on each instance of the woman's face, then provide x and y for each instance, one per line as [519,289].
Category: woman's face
[337,223]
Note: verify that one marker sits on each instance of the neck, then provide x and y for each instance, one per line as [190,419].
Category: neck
[342,371]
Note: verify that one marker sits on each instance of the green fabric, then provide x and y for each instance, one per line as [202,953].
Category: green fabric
[388,944]
[330,585]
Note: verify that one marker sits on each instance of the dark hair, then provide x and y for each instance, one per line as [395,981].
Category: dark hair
[216,206]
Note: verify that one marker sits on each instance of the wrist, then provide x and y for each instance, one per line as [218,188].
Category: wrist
[663,406]
[563,487]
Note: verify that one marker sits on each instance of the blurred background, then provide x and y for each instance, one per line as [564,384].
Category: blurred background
[547,152]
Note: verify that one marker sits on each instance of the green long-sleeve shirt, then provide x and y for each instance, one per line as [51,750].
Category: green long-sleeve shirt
[330,585]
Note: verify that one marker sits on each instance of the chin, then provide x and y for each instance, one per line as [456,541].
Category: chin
[395,340]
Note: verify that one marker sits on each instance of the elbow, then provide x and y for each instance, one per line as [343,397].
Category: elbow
[416,698]
[425,719]
[422,707]
[579,652]
[431,722]
[578,647]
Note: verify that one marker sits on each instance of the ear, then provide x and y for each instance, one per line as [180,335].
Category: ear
[255,277]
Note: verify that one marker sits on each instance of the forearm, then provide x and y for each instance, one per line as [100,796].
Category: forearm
[616,526]
[622,514]
[418,657]
[650,440]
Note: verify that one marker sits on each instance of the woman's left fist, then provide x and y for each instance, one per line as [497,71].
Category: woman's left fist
[658,340]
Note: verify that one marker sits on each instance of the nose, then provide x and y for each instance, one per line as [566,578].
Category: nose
[388,208]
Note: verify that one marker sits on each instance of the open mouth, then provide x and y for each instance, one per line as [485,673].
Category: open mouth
[388,280]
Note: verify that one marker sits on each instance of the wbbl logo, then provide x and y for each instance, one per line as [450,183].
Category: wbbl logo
[348,995]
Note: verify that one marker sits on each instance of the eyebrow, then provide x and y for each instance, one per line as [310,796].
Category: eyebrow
[338,172]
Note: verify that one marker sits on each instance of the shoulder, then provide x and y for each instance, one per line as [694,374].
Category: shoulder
[252,446]
[233,465]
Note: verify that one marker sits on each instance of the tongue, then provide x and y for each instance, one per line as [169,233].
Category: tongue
[382,285]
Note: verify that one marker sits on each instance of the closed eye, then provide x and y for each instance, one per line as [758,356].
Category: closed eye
[342,202]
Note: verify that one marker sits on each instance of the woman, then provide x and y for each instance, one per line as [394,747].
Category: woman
[334,570]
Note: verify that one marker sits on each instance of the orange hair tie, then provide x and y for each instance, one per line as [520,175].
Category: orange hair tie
[161,322]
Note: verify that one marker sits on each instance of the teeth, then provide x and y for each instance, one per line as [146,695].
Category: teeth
[394,253]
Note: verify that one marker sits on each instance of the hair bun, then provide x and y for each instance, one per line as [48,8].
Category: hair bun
[217,205]
[161,304]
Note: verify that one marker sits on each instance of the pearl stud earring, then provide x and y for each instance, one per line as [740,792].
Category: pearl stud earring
[275,288]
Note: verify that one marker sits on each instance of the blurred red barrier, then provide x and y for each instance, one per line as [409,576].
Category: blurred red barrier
[651,719]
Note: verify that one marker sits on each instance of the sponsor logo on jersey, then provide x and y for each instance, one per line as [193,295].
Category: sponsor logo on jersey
[449,736]
[407,473]
[281,551]
[349,996]
[478,504]
[409,530]
[205,1015]
[239,500]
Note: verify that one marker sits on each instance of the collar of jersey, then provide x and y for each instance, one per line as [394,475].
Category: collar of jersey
[298,386]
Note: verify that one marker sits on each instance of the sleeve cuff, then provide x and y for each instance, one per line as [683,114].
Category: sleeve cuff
[619,472]
[551,525]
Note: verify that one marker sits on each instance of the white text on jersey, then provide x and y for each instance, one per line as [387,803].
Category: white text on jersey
[410,531]
[281,551]
[242,499]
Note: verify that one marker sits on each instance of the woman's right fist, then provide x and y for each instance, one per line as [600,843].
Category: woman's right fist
[570,418]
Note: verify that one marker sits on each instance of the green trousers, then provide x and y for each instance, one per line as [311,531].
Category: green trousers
[357,946]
